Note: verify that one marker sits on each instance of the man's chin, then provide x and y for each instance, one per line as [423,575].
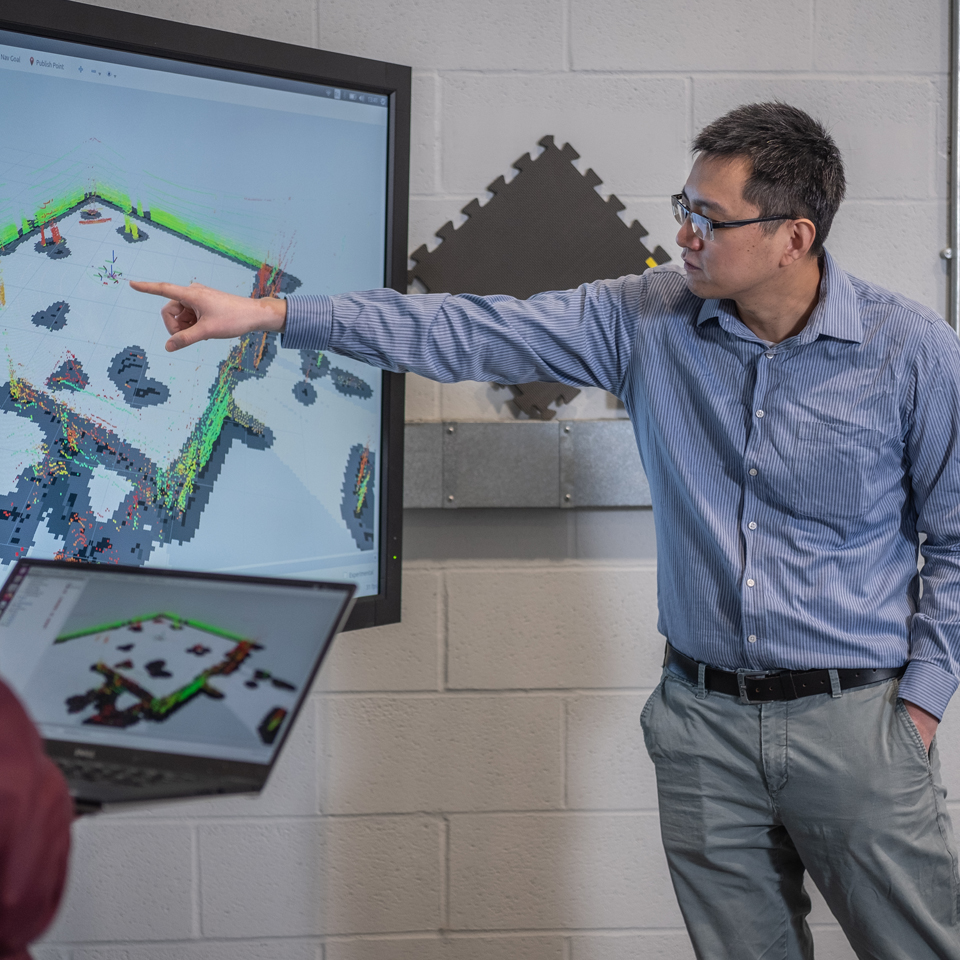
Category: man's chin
[697,284]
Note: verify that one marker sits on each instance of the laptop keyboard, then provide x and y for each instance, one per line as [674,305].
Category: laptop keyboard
[95,771]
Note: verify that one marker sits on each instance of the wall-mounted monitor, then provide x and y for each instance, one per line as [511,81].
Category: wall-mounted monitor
[136,148]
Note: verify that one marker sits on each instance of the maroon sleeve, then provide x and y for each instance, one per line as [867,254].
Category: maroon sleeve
[35,817]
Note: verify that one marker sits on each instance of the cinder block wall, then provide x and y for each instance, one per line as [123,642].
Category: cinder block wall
[471,784]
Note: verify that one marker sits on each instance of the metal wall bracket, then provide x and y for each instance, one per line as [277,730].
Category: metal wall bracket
[600,465]
[573,463]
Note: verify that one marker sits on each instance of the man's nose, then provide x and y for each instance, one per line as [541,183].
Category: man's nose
[686,238]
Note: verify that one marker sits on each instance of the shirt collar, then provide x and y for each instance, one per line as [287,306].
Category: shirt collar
[836,314]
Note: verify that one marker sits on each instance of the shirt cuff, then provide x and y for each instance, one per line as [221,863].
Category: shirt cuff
[309,323]
[927,686]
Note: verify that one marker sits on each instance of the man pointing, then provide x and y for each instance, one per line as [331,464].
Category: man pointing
[799,431]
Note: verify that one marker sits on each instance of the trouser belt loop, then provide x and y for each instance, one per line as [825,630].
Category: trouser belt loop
[701,681]
[835,690]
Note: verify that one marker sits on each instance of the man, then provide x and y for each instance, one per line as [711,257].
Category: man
[798,428]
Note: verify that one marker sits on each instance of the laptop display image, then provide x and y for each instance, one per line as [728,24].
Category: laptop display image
[147,683]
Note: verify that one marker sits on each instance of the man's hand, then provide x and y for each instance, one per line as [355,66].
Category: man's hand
[197,313]
[926,722]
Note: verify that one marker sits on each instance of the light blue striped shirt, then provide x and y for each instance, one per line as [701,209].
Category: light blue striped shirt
[789,483]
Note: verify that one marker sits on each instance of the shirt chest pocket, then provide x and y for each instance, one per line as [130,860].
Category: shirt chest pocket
[834,470]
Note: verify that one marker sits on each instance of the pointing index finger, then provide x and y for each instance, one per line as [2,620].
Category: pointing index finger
[169,290]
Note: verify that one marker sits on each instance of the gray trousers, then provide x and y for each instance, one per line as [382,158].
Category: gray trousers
[751,796]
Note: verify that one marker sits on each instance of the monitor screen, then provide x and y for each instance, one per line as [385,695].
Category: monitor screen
[150,660]
[232,456]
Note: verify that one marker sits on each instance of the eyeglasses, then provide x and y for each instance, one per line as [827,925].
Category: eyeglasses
[703,227]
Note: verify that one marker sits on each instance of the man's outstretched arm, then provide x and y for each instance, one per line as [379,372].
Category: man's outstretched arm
[583,336]
[196,313]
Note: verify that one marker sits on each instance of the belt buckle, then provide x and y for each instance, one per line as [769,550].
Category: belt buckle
[744,675]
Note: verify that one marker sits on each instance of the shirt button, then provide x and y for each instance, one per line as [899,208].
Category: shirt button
[752,471]
[752,525]
[751,583]
[769,356]
[752,638]
[759,413]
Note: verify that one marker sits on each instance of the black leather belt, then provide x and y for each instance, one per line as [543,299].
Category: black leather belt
[764,686]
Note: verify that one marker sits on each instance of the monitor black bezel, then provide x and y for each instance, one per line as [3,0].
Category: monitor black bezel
[133,33]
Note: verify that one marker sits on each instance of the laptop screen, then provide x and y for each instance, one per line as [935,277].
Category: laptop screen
[201,665]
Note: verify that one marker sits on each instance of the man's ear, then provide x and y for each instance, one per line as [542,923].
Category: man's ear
[801,235]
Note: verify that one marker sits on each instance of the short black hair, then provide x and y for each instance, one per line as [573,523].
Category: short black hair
[797,168]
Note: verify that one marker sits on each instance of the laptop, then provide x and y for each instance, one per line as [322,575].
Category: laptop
[149,683]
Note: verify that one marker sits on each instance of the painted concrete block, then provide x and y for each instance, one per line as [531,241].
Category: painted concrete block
[472,401]
[422,401]
[631,130]
[697,35]
[910,263]
[614,535]
[400,656]
[657,945]
[592,403]
[488,535]
[290,878]
[424,145]
[279,949]
[941,148]
[882,36]
[575,626]
[128,881]
[606,762]
[451,753]
[293,22]
[448,948]
[575,871]
[448,34]
[511,536]
[884,128]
